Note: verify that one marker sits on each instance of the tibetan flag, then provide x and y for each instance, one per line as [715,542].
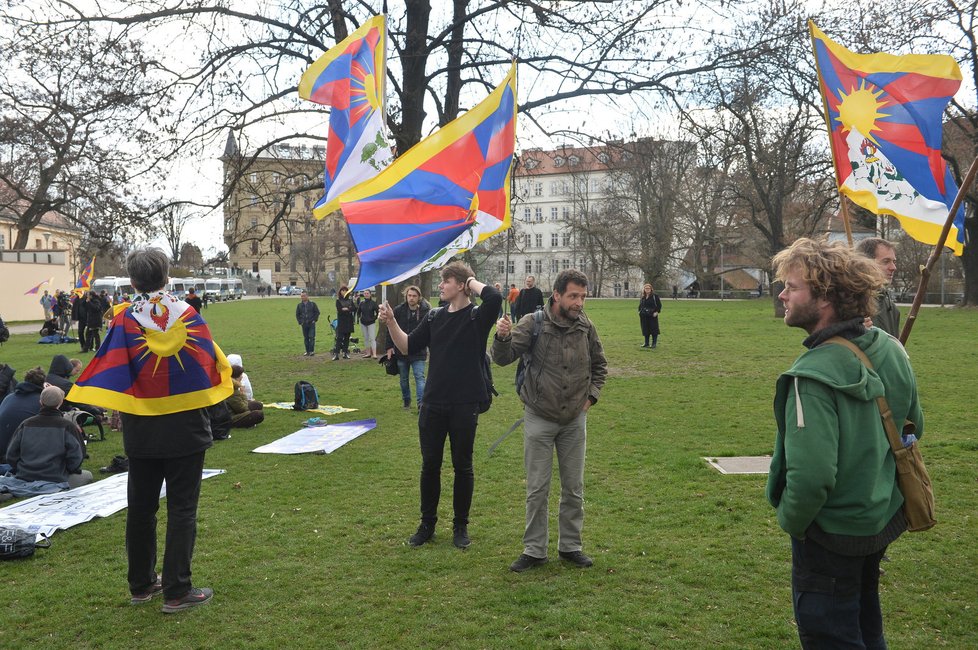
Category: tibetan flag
[158,357]
[85,279]
[884,116]
[350,78]
[33,290]
[446,194]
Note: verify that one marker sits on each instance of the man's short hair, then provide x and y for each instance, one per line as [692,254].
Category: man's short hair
[457,270]
[869,245]
[835,272]
[411,287]
[568,276]
[149,269]
[35,376]
[236,372]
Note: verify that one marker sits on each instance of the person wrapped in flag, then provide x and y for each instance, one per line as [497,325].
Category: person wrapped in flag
[160,367]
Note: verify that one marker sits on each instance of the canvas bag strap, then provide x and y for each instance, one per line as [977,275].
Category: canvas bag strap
[891,431]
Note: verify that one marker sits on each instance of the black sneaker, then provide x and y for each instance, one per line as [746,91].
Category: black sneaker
[424,534]
[119,464]
[336,357]
[156,589]
[460,536]
[407,405]
[524,562]
[192,598]
[577,558]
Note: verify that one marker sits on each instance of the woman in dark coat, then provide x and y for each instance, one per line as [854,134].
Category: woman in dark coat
[648,313]
[345,309]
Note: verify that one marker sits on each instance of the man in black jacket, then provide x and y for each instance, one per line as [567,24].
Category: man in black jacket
[367,311]
[529,299]
[306,314]
[194,300]
[23,402]
[409,315]
[456,337]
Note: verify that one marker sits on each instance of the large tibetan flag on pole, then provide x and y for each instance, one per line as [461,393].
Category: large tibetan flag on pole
[33,290]
[157,357]
[85,279]
[443,196]
[350,78]
[884,116]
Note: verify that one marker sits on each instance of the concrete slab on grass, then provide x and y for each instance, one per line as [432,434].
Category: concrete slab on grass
[740,464]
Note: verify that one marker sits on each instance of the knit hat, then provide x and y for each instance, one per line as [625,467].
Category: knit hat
[52,396]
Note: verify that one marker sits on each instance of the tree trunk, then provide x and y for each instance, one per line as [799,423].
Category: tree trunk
[969,260]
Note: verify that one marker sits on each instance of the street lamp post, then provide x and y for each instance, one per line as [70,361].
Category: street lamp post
[721,270]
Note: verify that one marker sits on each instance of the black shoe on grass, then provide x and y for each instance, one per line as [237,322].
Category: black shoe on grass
[424,534]
[460,536]
[192,598]
[525,562]
[577,558]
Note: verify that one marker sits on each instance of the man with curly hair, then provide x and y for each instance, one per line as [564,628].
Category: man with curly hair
[833,476]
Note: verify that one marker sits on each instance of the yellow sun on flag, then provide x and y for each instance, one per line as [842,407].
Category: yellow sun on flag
[168,343]
[859,110]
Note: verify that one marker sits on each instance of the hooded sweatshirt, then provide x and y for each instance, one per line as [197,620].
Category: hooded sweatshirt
[59,372]
[235,360]
[832,464]
[21,404]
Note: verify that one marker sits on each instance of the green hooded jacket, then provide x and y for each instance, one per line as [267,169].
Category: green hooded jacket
[832,463]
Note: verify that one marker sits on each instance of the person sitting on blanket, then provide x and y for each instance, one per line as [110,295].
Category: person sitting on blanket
[45,453]
[49,327]
[60,373]
[235,360]
[19,405]
[245,413]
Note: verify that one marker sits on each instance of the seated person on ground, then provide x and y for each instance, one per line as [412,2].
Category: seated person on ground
[49,327]
[21,404]
[235,360]
[60,373]
[244,412]
[45,453]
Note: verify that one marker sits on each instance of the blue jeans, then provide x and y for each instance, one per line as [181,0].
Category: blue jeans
[416,367]
[836,597]
[309,336]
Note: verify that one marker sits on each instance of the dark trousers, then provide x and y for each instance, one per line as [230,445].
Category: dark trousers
[93,336]
[457,422]
[309,336]
[146,477]
[82,336]
[836,598]
[342,342]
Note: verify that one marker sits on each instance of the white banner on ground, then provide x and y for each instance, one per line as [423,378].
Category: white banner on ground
[318,440]
[44,514]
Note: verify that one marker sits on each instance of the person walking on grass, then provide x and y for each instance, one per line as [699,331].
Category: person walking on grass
[649,307]
[832,479]
[306,314]
[455,336]
[562,382]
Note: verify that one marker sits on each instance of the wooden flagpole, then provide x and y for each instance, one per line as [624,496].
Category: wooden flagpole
[925,271]
[844,208]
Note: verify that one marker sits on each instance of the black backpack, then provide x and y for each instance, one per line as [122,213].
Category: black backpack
[527,357]
[4,332]
[17,543]
[306,396]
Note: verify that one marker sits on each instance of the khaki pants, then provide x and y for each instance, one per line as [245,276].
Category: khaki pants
[541,438]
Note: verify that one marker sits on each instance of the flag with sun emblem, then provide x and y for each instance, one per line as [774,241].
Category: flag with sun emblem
[884,115]
[350,79]
[446,194]
[158,357]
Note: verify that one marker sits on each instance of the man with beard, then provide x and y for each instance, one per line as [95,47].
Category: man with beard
[887,316]
[833,475]
[562,382]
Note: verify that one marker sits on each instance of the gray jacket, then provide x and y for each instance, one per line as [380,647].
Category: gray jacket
[568,365]
[45,448]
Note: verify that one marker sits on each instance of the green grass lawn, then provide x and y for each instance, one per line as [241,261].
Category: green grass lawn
[310,551]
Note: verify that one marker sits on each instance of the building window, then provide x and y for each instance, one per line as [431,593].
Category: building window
[254,267]
[565,212]
[554,188]
[501,267]
[567,239]
[538,215]
[595,186]
[617,289]
[254,199]
[511,267]
[553,239]
[538,265]
[3,242]
[538,189]
[564,264]
[254,222]
[553,213]
[278,267]
[254,247]
[37,243]
[526,215]
[574,160]
[276,179]
[253,177]
[528,267]
[554,265]
[539,239]
[626,286]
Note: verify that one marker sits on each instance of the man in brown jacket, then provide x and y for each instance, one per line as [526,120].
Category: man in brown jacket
[563,380]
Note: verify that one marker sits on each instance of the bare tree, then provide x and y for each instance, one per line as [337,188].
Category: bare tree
[173,219]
